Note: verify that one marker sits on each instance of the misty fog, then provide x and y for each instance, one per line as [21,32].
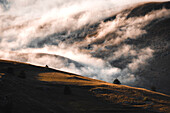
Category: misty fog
[75,31]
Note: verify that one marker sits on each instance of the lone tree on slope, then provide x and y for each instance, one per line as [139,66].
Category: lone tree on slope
[116,81]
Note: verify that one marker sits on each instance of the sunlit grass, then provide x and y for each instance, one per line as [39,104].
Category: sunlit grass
[68,79]
[119,94]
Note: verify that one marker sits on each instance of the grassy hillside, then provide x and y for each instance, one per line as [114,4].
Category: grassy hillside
[41,90]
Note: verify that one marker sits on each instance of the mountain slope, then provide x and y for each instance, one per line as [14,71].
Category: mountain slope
[42,91]
[155,35]
[145,8]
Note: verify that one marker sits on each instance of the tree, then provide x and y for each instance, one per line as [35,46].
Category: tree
[153,88]
[116,81]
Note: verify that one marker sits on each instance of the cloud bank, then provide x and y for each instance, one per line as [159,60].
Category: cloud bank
[54,27]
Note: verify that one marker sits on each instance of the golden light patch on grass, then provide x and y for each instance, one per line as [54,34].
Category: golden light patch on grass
[133,97]
[119,94]
[68,79]
[136,89]
[2,74]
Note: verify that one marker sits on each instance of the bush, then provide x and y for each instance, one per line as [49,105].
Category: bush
[22,75]
[67,90]
[46,66]
[116,81]
[146,99]
[153,88]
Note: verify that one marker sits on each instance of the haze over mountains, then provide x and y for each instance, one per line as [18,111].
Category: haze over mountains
[124,40]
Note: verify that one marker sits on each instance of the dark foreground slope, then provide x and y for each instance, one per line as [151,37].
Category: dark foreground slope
[41,90]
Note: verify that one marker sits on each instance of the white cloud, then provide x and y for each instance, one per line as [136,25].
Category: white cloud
[30,22]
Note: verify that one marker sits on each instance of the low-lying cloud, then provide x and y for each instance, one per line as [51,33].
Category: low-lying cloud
[28,28]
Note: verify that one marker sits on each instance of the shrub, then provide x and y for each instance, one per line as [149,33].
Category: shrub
[153,88]
[46,66]
[22,75]
[146,99]
[116,81]
[67,90]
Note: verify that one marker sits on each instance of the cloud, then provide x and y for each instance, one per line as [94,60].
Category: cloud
[124,51]
[123,29]
[35,26]
[143,56]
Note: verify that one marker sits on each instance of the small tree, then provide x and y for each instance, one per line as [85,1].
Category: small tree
[67,90]
[116,81]
[22,75]
[153,88]
[146,99]
[46,66]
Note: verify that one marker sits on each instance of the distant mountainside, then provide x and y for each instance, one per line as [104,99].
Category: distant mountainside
[144,9]
[157,37]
